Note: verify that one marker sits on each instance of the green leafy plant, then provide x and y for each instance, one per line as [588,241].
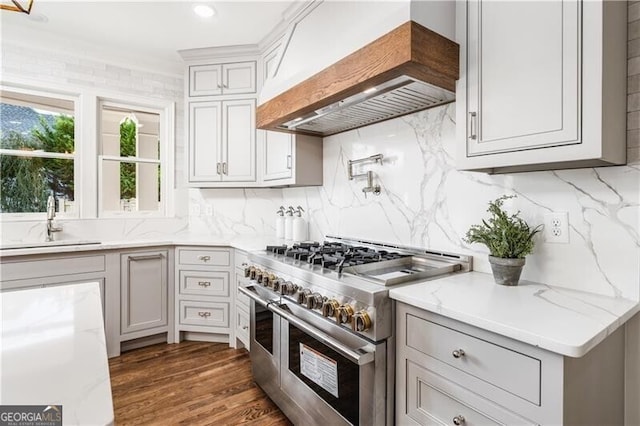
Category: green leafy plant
[506,236]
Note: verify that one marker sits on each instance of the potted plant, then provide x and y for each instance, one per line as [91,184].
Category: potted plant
[509,239]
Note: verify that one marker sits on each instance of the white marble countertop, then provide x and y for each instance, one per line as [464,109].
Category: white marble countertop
[246,243]
[563,321]
[53,352]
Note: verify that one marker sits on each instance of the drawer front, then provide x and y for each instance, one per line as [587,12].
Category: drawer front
[241,298]
[431,399]
[51,267]
[241,260]
[508,370]
[204,283]
[208,314]
[242,326]
[204,257]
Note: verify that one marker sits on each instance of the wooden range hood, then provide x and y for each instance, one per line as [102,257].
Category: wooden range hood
[409,69]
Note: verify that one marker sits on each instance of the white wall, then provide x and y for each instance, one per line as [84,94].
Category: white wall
[52,69]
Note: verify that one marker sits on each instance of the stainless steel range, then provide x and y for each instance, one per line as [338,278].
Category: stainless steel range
[322,325]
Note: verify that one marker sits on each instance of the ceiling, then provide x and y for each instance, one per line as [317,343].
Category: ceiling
[152,31]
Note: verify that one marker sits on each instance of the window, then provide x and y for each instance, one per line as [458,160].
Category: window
[100,157]
[37,152]
[130,166]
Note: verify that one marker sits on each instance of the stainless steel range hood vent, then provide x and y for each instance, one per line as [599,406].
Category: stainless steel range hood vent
[400,96]
[409,69]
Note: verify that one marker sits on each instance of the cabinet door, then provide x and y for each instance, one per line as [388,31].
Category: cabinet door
[204,141]
[239,141]
[523,75]
[144,291]
[277,155]
[239,78]
[205,80]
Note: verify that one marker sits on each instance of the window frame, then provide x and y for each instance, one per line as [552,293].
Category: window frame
[76,156]
[87,143]
[166,114]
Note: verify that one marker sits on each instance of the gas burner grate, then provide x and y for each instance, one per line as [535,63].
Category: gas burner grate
[333,255]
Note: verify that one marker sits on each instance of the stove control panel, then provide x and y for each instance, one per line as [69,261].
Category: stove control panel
[335,308]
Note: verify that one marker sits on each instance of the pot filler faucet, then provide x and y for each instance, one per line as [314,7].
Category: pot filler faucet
[375,189]
[51,214]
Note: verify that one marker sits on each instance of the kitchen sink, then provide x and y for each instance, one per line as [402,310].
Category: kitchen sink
[47,244]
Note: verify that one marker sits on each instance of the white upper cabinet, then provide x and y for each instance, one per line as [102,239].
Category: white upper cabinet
[278,148]
[291,160]
[542,84]
[222,79]
[222,142]
[523,89]
[205,141]
[239,141]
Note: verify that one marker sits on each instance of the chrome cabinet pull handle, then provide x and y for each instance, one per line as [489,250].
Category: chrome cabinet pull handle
[149,257]
[204,258]
[472,125]
[218,168]
[204,314]
[225,170]
[204,283]
[458,420]
[289,162]
[458,353]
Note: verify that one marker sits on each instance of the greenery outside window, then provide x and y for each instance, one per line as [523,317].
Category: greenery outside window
[37,152]
[130,168]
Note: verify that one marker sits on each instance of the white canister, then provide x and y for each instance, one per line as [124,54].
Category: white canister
[288,224]
[299,229]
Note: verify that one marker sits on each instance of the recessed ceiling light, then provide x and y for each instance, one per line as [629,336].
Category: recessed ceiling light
[370,90]
[204,10]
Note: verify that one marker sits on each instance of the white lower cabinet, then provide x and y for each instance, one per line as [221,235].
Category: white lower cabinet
[242,325]
[448,372]
[204,298]
[144,294]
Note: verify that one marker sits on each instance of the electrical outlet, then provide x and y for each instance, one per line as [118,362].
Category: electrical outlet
[209,210]
[195,210]
[556,227]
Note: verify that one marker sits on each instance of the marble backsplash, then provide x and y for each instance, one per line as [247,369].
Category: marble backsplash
[426,202]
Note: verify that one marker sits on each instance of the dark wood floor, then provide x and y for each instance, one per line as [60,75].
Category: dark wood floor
[191,383]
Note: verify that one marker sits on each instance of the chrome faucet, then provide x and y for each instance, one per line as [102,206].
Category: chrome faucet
[51,214]
[374,189]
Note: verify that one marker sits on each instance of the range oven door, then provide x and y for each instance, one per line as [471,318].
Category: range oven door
[265,345]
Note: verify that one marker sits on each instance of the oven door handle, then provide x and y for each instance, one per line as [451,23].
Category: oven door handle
[254,296]
[360,356]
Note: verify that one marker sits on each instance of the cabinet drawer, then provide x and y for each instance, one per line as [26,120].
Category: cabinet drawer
[241,260]
[433,399]
[51,267]
[508,370]
[242,326]
[208,314]
[241,298]
[204,283]
[204,257]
